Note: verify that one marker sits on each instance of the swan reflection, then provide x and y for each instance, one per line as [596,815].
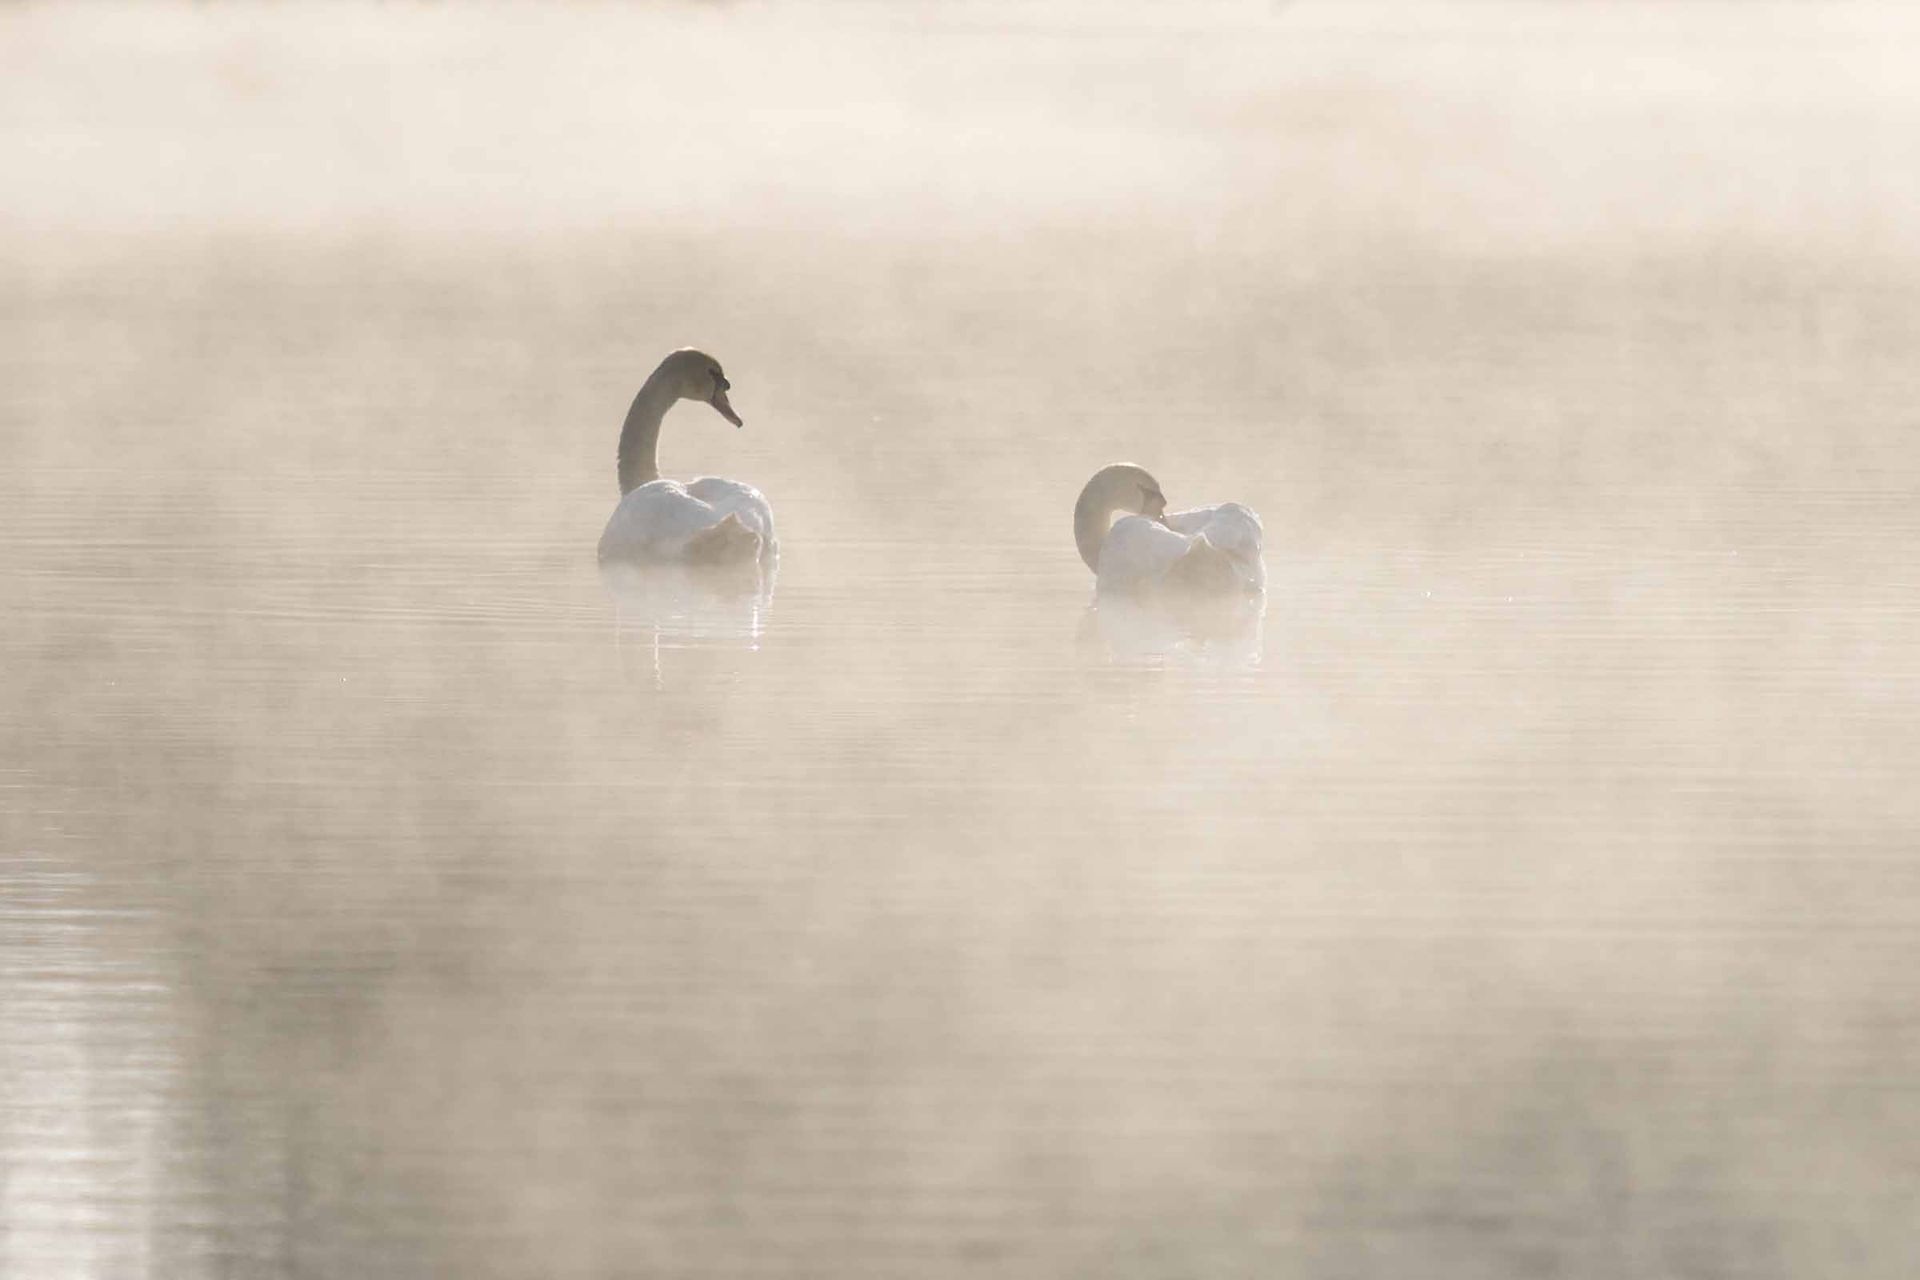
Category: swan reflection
[1226,631]
[659,607]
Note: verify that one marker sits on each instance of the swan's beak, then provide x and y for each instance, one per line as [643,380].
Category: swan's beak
[719,402]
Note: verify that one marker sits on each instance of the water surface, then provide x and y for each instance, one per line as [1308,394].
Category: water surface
[1531,892]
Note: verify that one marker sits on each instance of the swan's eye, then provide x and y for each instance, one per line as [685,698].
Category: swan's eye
[720,380]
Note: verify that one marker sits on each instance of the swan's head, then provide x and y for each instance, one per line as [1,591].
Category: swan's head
[1153,503]
[1122,486]
[695,375]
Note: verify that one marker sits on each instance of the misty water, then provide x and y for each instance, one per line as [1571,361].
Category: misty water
[1532,890]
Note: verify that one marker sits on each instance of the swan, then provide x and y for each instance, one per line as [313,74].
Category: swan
[1207,552]
[708,522]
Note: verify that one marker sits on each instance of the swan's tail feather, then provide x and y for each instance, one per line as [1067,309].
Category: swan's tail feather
[1205,570]
[728,542]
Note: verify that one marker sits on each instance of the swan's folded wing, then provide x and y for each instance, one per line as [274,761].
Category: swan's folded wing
[730,497]
[1229,526]
[655,520]
[1233,529]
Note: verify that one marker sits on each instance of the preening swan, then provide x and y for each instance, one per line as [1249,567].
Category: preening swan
[709,521]
[1207,552]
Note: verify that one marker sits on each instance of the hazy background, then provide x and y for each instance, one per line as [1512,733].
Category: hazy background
[1533,893]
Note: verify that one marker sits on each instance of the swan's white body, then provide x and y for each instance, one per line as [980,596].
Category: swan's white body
[708,522]
[1209,551]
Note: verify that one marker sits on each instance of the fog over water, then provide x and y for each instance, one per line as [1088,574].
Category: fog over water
[1532,890]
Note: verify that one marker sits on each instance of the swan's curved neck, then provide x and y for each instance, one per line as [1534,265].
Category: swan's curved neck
[1119,486]
[1092,517]
[640,436]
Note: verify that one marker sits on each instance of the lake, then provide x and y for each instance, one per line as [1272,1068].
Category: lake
[1530,890]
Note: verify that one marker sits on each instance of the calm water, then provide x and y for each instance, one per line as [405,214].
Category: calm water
[1532,892]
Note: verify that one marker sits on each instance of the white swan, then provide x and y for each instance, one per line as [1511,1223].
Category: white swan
[660,522]
[1206,552]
